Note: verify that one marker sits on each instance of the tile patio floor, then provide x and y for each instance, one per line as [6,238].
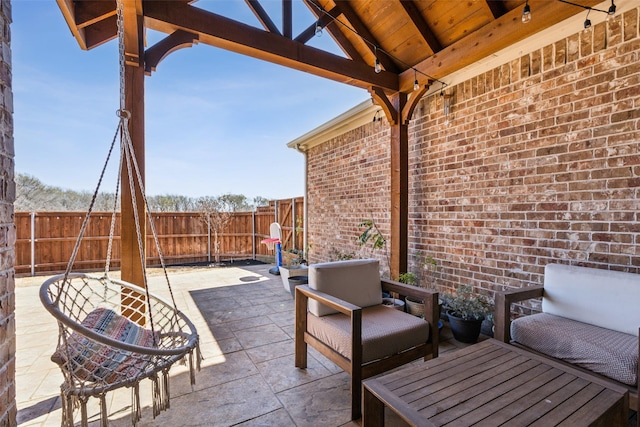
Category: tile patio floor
[246,324]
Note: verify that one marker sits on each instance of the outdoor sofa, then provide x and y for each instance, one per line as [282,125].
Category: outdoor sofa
[590,320]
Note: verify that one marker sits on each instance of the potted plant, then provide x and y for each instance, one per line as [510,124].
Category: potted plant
[416,306]
[294,266]
[466,310]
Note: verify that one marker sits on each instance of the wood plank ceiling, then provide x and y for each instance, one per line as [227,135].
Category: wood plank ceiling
[423,39]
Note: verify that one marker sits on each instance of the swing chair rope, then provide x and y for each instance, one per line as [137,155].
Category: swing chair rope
[113,221]
[101,344]
[132,165]
[85,222]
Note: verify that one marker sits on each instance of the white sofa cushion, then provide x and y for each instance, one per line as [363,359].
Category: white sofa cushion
[355,281]
[604,298]
[606,352]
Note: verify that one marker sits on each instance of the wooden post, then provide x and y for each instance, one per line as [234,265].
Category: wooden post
[131,265]
[398,112]
[399,188]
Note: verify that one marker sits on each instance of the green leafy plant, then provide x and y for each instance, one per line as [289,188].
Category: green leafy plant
[409,278]
[467,304]
[372,234]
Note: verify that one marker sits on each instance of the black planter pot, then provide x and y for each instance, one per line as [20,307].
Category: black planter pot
[466,331]
[297,281]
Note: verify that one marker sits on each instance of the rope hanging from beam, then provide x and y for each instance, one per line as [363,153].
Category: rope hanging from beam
[111,333]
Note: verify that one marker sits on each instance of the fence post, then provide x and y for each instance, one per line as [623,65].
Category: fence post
[208,238]
[275,211]
[294,241]
[253,234]
[33,244]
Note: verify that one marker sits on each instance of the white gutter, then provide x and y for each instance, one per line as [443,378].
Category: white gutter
[351,119]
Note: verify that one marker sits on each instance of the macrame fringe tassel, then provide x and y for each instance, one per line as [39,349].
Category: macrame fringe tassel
[192,370]
[67,409]
[199,357]
[104,413]
[159,395]
[167,390]
[136,414]
[197,366]
[84,418]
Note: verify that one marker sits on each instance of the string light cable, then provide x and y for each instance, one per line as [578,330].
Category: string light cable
[376,49]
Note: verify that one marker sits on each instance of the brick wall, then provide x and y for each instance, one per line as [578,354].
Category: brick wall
[539,163]
[7,228]
[348,181]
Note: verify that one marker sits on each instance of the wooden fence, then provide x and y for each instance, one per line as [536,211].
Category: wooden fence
[45,240]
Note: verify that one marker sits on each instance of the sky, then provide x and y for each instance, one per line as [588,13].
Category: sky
[216,122]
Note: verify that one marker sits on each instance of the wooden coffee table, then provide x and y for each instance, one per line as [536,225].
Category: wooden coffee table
[493,383]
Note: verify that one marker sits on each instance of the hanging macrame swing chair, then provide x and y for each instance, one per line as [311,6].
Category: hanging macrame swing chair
[114,334]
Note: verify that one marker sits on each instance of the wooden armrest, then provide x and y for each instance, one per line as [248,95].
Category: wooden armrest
[302,295]
[407,290]
[325,299]
[503,301]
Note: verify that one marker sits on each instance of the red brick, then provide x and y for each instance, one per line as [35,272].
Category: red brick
[531,170]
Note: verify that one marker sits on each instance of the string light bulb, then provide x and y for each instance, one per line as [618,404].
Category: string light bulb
[377,67]
[587,23]
[526,13]
[318,29]
[611,12]
[416,85]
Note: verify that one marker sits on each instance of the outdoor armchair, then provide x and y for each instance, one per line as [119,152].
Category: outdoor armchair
[340,314]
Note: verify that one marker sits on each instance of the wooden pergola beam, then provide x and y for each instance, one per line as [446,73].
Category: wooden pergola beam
[287,19]
[262,16]
[100,32]
[496,9]
[218,31]
[89,12]
[328,21]
[422,27]
[365,34]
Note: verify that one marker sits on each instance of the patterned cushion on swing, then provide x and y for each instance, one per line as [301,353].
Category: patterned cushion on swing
[97,362]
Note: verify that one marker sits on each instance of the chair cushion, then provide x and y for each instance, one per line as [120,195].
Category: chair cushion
[385,332]
[355,281]
[604,351]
